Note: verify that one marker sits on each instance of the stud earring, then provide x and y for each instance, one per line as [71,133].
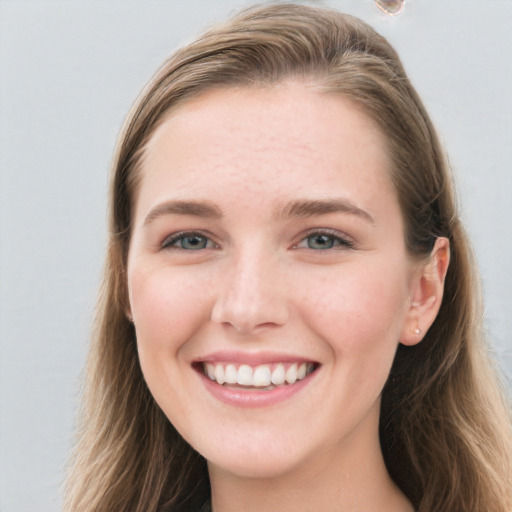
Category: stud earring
[417,331]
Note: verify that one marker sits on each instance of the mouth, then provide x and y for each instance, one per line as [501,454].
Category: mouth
[263,377]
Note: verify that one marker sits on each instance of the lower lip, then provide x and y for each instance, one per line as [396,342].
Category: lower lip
[255,398]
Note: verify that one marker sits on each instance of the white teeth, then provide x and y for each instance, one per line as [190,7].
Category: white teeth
[261,376]
[219,373]
[210,369]
[230,375]
[278,375]
[291,374]
[244,377]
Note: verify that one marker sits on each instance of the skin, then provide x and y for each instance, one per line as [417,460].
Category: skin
[261,286]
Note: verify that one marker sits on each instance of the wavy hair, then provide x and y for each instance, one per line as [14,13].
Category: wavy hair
[445,423]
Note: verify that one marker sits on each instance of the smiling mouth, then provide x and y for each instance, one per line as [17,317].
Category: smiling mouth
[261,377]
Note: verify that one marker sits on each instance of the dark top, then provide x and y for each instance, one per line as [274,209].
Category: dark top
[189,507]
[196,503]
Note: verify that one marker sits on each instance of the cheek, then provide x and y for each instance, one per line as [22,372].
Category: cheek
[359,309]
[168,306]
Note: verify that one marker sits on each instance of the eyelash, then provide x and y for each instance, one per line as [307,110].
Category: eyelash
[338,241]
[331,236]
[171,241]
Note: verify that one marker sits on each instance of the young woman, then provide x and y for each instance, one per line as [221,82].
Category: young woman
[290,315]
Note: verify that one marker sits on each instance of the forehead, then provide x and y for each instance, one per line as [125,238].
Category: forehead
[282,140]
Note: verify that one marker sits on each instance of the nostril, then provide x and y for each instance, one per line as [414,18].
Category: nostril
[248,316]
[250,296]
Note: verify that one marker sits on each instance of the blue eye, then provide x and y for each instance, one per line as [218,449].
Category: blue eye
[188,242]
[323,241]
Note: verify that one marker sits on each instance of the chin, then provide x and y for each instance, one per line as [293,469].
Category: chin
[254,467]
[257,454]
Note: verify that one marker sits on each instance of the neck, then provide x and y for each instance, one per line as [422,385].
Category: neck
[347,477]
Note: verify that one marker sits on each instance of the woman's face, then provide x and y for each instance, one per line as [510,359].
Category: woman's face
[268,279]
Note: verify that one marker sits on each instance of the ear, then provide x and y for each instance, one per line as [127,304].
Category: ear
[426,294]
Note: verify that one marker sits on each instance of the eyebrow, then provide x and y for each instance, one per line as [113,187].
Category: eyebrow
[298,208]
[311,208]
[203,209]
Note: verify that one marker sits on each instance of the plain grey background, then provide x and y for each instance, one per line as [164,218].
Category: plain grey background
[69,71]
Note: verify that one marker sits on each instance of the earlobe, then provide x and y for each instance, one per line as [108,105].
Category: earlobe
[427,294]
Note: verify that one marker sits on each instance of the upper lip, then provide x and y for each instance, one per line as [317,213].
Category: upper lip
[251,358]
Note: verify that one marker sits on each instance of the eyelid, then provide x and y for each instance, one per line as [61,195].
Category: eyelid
[345,240]
[171,239]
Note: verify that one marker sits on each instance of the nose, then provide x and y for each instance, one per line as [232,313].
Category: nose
[251,296]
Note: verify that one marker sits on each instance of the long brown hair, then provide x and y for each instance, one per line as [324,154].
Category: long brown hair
[445,424]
